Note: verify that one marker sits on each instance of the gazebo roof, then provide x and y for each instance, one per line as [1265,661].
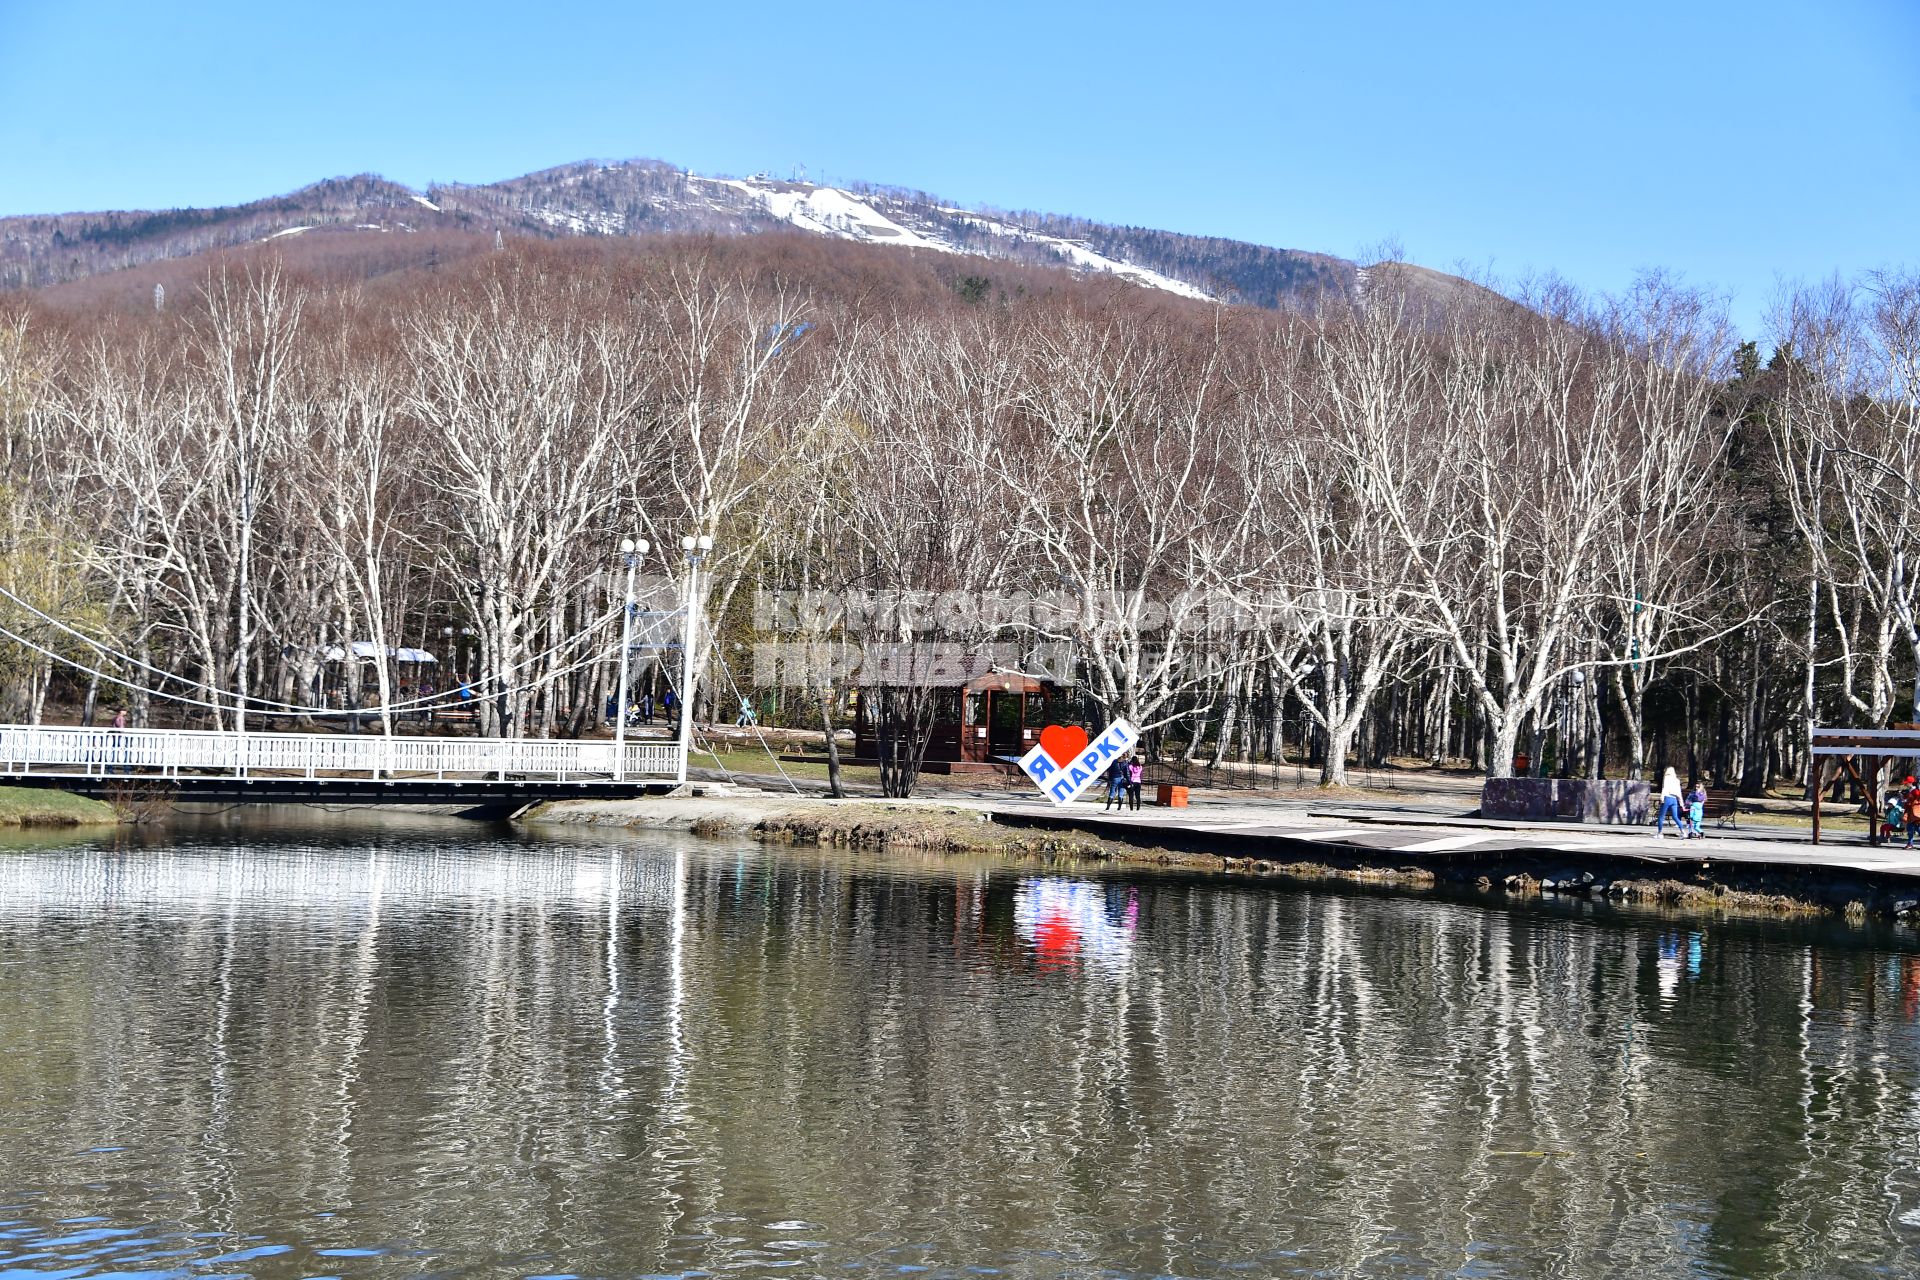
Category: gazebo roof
[368,649]
[938,667]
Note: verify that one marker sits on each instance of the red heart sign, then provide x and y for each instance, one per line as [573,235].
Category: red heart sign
[1062,742]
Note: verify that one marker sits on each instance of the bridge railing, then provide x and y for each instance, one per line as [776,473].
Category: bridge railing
[27,749]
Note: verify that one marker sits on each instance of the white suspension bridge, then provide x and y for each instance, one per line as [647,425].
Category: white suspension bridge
[243,766]
[207,764]
[39,750]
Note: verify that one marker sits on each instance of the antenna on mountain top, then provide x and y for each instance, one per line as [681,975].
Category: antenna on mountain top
[799,173]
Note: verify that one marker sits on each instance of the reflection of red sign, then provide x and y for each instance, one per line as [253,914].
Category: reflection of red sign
[1071,923]
[1055,940]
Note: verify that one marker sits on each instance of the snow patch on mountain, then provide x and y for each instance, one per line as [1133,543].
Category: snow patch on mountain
[1088,260]
[1079,255]
[835,212]
[597,222]
[830,211]
[419,199]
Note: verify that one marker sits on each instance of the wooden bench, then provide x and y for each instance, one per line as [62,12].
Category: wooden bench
[1722,807]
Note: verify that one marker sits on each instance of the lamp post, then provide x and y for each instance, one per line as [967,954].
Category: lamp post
[456,642]
[1576,714]
[632,550]
[695,548]
[449,674]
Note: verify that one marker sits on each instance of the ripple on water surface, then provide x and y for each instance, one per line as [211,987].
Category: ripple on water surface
[346,1047]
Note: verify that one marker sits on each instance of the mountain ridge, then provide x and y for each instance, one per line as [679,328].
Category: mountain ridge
[646,197]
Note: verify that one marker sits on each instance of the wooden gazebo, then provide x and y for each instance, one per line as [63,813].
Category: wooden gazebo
[985,716]
[1861,753]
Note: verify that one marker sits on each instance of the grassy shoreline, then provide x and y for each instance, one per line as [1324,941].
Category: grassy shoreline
[46,807]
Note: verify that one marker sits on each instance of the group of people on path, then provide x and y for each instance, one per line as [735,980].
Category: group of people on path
[639,710]
[1123,783]
[1686,821]
[1902,813]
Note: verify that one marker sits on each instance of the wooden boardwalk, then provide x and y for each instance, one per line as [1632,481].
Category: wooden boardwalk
[1409,836]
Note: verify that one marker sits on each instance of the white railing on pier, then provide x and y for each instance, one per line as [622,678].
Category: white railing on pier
[28,749]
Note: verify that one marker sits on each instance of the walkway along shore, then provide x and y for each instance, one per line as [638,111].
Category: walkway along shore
[1750,872]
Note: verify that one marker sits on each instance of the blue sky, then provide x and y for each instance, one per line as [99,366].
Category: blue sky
[1736,144]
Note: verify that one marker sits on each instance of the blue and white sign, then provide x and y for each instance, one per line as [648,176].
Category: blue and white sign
[1067,762]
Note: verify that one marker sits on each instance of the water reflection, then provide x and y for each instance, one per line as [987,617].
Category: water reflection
[1069,922]
[302,1050]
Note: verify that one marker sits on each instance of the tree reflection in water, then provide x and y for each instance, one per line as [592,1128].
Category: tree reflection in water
[338,1041]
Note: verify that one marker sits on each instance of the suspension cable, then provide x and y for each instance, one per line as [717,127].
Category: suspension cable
[439,700]
[754,719]
[274,705]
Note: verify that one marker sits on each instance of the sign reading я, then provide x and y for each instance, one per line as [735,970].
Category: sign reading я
[1067,761]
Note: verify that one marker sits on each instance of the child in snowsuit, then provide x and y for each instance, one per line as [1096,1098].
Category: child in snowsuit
[1696,811]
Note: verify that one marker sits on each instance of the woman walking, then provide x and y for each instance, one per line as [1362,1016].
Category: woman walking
[1670,794]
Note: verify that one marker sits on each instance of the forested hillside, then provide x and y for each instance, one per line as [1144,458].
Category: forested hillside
[1595,535]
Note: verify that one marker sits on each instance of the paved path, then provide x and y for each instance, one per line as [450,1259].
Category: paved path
[1297,827]
[1414,823]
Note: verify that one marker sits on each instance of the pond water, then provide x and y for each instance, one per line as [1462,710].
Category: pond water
[303,1045]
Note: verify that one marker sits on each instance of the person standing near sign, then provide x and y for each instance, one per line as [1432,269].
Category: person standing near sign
[1117,783]
[1136,773]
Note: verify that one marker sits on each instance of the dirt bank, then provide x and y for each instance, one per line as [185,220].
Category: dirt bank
[951,827]
[931,826]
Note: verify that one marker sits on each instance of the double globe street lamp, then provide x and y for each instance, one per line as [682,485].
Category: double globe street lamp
[632,549]
[695,548]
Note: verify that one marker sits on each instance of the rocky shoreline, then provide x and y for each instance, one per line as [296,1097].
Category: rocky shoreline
[920,826]
[939,827]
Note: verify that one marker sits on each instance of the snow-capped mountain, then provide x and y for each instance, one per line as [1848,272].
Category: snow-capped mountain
[641,197]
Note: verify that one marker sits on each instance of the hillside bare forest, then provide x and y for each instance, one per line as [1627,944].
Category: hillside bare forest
[1591,533]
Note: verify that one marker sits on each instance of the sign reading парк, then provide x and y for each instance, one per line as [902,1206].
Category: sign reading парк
[1066,762]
